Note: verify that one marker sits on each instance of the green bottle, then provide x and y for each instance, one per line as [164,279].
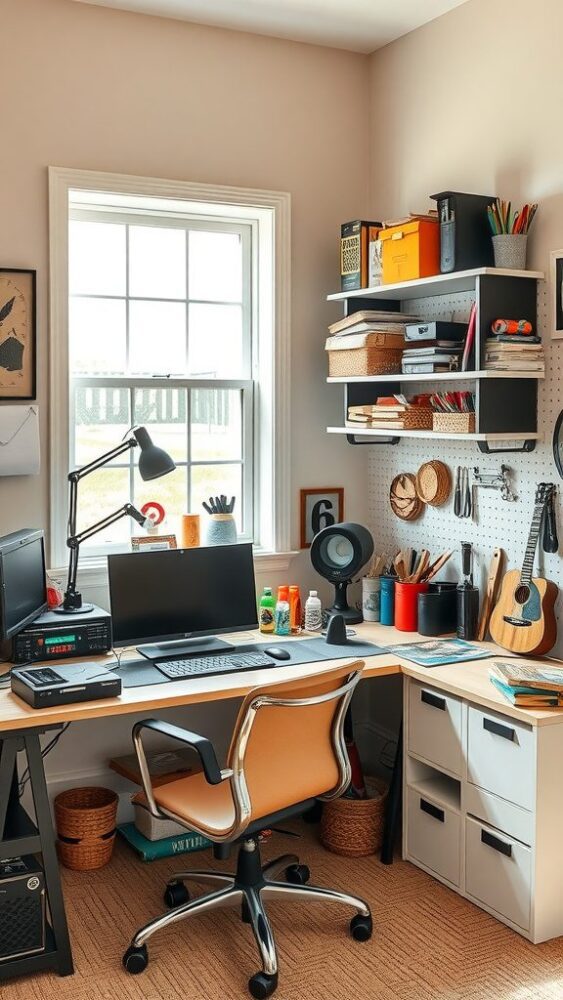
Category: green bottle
[267,607]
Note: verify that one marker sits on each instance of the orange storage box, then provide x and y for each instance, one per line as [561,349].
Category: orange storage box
[410,251]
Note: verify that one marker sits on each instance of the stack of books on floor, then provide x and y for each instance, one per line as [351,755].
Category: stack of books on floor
[527,685]
[514,353]
[436,356]
[393,413]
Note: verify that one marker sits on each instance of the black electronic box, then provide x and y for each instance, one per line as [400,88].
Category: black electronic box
[56,637]
[465,235]
[435,330]
[22,908]
[64,683]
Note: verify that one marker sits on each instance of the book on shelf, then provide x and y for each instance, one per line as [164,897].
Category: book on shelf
[369,318]
[512,338]
[519,674]
[435,347]
[168,847]
[469,345]
[524,697]
[427,367]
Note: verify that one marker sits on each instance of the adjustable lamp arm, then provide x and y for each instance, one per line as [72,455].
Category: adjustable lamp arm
[78,474]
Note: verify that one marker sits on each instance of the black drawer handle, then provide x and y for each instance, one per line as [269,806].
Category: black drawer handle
[497,845]
[506,732]
[432,699]
[433,811]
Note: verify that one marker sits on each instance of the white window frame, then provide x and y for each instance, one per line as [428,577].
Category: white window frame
[269,214]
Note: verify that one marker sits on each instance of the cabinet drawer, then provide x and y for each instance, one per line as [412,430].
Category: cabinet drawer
[501,755]
[498,872]
[435,727]
[433,836]
[494,811]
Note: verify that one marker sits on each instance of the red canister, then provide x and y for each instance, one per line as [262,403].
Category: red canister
[406,605]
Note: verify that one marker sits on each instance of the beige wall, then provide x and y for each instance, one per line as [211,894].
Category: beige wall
[100,89]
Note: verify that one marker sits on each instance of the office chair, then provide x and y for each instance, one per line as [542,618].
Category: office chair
[287,750]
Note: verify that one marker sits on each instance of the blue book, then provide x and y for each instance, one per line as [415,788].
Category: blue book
[525,695]
[151,850]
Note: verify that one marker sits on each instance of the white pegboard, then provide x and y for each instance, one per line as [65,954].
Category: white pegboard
[499,522]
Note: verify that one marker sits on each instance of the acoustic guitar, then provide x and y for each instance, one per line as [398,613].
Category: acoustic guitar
[523,620]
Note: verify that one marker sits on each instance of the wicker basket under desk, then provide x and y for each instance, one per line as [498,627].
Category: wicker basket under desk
[454,423]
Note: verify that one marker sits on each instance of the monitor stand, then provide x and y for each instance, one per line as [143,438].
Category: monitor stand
[185,647]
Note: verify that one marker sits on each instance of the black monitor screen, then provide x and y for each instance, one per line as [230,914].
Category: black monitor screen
[181,592]
[22,579]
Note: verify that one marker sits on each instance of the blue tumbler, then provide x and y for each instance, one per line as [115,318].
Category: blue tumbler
[387,600]
[220,529]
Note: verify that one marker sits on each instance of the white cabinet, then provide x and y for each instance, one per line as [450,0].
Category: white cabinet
[483,806]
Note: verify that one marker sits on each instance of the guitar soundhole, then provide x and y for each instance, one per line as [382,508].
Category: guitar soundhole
[522,594]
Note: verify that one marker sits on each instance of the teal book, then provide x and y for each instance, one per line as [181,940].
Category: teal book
[543,698]
[168,847]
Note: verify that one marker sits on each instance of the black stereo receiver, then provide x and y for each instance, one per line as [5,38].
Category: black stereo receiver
[56,637]
[64,683]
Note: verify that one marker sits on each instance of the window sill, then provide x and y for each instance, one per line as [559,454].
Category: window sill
[93,572]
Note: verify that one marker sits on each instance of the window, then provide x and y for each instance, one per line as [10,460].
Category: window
[169,322]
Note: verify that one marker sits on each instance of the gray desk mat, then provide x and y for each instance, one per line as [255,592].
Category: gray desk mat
[139,673]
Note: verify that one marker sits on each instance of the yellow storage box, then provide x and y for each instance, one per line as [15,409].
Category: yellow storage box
[410,251]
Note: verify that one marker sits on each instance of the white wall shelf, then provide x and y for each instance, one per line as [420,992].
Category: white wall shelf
[436,377]
[358,431]
[438,284]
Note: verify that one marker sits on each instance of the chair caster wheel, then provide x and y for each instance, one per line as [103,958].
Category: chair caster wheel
[262,985]
[298,874]
[175,895]
[135,960]
[361,928]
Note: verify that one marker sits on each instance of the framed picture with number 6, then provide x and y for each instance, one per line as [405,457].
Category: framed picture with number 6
[320,508]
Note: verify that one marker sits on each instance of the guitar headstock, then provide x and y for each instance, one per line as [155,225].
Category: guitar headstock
[544,492]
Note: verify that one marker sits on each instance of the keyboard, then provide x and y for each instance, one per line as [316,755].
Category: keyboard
[203,666]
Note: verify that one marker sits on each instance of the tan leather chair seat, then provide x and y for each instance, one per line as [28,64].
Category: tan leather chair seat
[197,802]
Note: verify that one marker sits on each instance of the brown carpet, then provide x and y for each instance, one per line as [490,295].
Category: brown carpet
[428,944]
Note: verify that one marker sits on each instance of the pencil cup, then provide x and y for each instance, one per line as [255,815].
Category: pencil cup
[370,598]
[510,250]
[190,531]
[406,605]
[387,600]
[220,529]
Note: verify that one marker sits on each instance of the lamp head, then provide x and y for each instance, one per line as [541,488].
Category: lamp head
[153,462]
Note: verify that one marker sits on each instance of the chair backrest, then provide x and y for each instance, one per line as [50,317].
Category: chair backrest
[288,743]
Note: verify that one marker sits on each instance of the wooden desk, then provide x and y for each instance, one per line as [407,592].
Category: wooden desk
[21,726]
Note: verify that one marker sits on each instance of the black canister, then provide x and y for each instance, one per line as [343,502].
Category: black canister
[467,598]
[437,609]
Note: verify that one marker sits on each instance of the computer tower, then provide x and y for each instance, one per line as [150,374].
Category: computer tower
[22,908]
[465,236]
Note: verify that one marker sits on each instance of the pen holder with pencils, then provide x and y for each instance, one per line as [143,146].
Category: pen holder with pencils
[510,250]
[220,529]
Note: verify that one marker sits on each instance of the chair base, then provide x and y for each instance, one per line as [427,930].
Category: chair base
[249,888]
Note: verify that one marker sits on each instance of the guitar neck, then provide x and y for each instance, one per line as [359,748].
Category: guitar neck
[528,564]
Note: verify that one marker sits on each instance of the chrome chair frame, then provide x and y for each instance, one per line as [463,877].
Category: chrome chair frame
[252,884]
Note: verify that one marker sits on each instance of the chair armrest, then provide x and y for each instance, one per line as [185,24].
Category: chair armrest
[203,747]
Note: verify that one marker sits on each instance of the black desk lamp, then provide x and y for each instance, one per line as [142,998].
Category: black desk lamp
[153,463]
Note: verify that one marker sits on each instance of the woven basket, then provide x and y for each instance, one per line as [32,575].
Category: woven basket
[354,827]
[433,483]
[364,361]
[85,820]
[454,423]
[403,497]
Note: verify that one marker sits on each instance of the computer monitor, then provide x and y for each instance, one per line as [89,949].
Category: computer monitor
[23,585]
[165,598]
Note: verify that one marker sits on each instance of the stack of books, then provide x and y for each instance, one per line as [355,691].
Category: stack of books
[371,321]
[528,686]
[433,356]
[516,353]
[393,412]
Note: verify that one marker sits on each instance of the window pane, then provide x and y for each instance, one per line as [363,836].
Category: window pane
[212,480]
[157,262]
[171,491]
[102,493]
[96,258]
[101,421]
[157,338]
[97,336]
[215,341]
[216,424]
[215,266]
[163,412]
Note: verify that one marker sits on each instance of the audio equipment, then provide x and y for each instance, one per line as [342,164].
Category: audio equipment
[50,638]
[64,684]
[338,552]
[22,908]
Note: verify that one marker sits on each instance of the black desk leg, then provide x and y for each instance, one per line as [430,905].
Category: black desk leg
[8,779]
[393,807]
[49,852]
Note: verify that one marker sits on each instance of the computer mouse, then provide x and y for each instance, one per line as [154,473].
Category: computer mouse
[278,653]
